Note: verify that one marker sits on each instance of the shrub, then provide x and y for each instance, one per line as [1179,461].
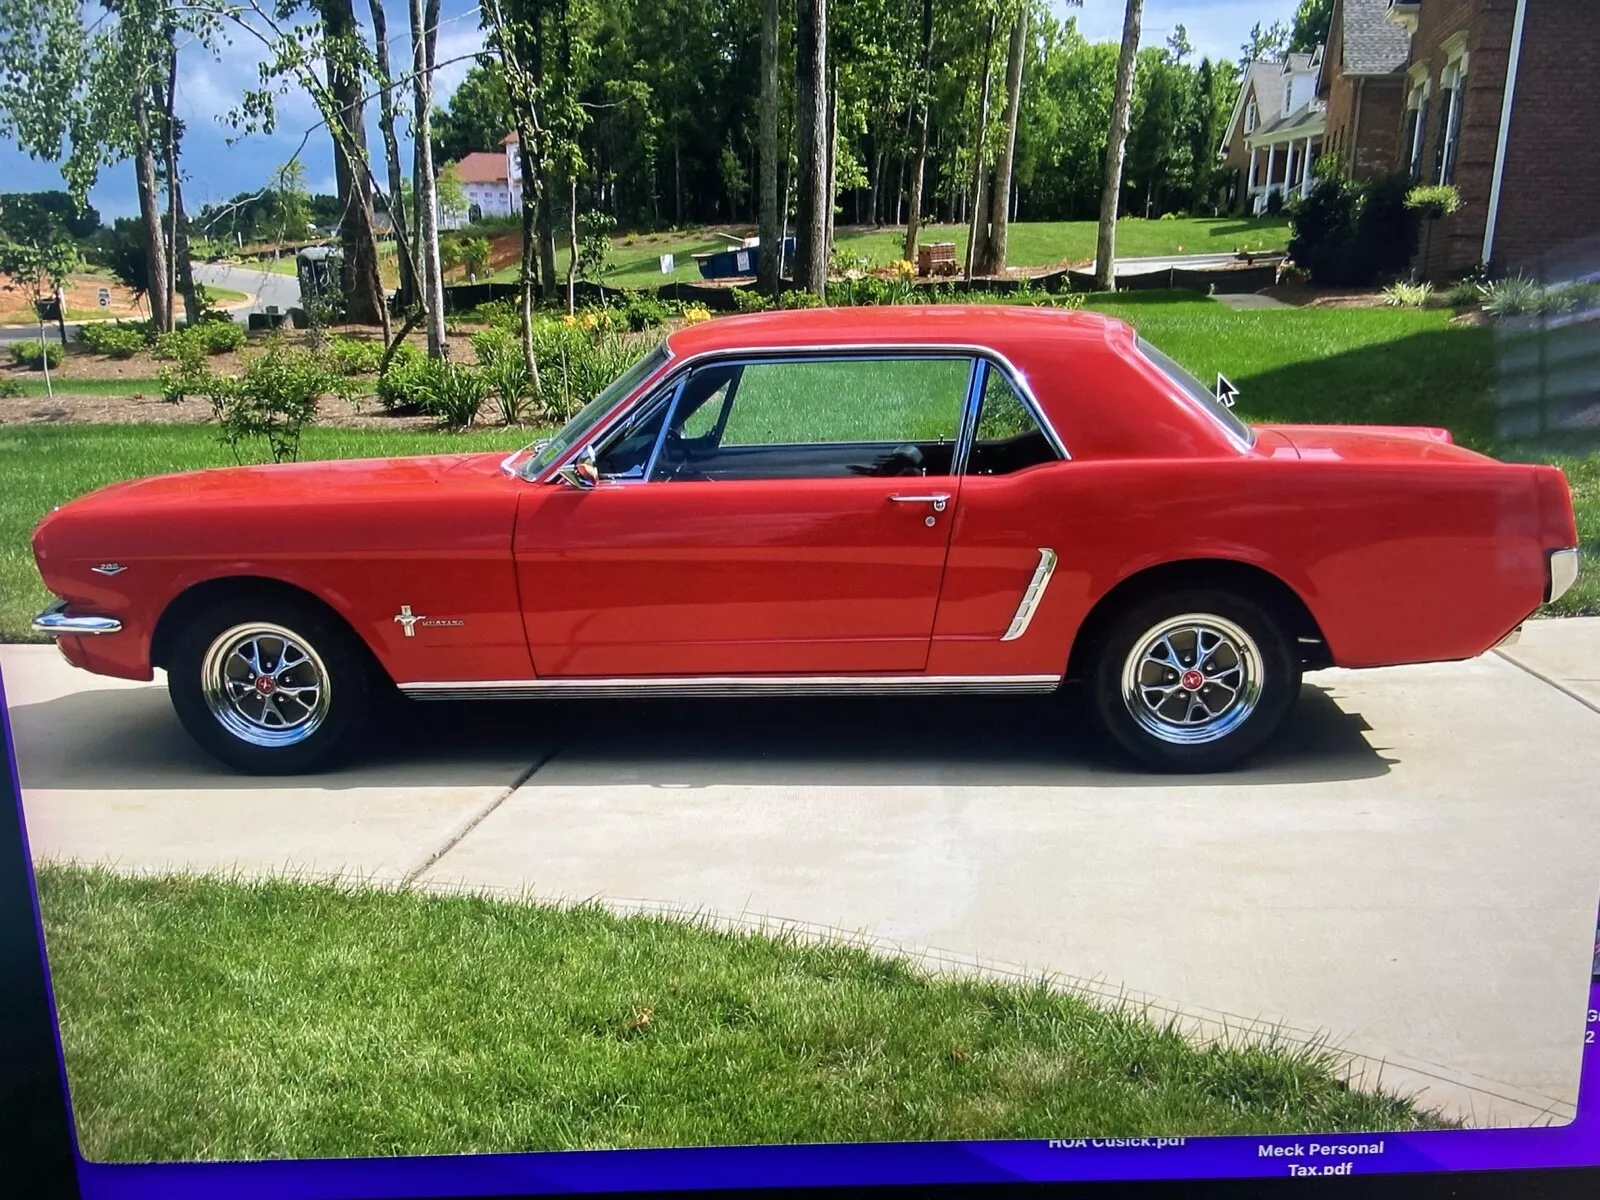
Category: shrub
[1580,297]
[491,345]
[274,398]
[455,394]
[799,298]
[36,355]
[354,356]
[10,388]
[1464,293]
[114,339]
[1433,201]
[192,374]
[576,364]
[211,337]
[1512,297]
[494,312]
[402,387]
[1350,234]
[1274,203]
[1407,295]
[641,311]
[508,378]
[747,301]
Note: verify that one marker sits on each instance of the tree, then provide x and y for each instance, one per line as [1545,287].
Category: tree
[1267,44]
[40,266]
[811,124]
[770,227]
[291,205]
[923,99]
[343,52]
[395,202]
[26,214]
[478,116]
[430,272]
[451,195]
[1105,264]
[1178,45]
[994,259]
[1311,21]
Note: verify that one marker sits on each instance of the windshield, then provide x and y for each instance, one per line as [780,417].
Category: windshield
[1199,391]
[577,429]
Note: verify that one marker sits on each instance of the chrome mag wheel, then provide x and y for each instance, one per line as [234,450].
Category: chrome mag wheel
[265,684]
[1192,679]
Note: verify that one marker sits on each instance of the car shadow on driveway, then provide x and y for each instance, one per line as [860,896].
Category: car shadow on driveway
[129,739]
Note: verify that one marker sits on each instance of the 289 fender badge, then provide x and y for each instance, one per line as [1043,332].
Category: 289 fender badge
[109,568]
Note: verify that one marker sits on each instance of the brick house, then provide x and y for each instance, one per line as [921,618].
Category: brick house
[1523,156]
[1362,85]
[1274,134]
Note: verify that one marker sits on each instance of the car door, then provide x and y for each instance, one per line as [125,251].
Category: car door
[768,515]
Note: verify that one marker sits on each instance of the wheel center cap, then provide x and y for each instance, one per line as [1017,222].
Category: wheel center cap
[1192,680]
[266,685]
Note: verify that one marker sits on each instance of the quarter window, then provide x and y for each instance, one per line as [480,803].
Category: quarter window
[1008,438]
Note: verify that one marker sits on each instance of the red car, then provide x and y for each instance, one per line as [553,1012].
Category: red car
[861,500]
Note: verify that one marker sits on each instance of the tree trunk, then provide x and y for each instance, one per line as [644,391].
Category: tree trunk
[994,261]
[155,251]
[919,169]
[811,133]
[363,291]
[768,227]
[427,201]
[572,244]
[833,156]
[391,154]
[1105,254]
[978,232]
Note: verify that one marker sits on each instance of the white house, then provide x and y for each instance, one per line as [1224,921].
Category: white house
[491,182]
[1276,130]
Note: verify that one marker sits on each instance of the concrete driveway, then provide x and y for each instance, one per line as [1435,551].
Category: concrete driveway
[1412,872]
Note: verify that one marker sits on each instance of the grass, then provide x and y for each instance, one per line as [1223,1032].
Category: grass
[635,258]
[33,385]
[211,1019]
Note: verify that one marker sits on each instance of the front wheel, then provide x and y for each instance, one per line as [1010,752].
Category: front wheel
[1194,680]
[271,686]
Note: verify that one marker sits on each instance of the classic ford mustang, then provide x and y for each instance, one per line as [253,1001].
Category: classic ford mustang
[829,501]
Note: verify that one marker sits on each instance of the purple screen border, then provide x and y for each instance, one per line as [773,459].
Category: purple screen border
[1575,1144]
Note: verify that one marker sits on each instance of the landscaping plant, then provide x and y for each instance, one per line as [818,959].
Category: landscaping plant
[115,340]
[36,355]
[273,399]
[1407,295]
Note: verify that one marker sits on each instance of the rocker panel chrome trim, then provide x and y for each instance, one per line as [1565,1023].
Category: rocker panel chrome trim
[1031,595]
[732,685]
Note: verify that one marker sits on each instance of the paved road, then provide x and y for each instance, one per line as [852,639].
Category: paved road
[263,288]
[1414,870]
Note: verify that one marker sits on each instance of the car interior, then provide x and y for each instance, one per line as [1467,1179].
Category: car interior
[697,410]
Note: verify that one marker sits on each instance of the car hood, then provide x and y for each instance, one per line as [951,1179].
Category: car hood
[313,482]
[1371,443]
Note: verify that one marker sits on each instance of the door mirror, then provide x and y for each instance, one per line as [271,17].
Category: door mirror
[581,471]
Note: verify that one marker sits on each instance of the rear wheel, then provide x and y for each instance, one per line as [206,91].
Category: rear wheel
[1193,680]
[271,685]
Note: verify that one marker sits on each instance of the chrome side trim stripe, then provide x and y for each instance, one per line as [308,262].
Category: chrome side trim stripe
[1031,595]
[55,622]
[732,685]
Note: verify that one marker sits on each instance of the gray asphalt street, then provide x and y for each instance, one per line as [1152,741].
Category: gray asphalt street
[1412,870]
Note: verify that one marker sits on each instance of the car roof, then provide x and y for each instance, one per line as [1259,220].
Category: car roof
[993,326]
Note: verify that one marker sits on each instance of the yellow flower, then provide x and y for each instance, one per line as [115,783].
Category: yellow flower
[696,313]
[569,320]
[906,269]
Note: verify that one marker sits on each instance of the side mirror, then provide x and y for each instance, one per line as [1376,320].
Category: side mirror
[581,472]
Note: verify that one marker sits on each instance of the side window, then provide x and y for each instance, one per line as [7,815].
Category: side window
[627,454]
[817,418]
[1009,438]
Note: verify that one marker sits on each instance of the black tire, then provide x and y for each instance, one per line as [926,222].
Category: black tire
[1183,718]
[324,701]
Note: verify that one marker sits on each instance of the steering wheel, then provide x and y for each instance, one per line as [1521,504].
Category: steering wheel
[676,461]
[902,460]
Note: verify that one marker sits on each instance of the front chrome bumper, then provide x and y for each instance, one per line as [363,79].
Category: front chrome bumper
[1561,573]
[56,623]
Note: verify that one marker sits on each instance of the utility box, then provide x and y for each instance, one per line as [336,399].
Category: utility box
[936,258]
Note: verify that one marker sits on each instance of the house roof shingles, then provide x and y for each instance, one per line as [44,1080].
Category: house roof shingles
[1373,45]
[482,166]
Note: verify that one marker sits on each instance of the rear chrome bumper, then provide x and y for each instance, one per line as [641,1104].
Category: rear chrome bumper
[1561,573]
[55,621]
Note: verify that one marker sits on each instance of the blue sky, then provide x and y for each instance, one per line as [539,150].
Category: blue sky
[208,87]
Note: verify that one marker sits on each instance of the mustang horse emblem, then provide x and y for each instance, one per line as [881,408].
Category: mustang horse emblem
[409,619]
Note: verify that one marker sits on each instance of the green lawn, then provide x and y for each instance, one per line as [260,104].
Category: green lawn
[32,384]
[635,258]
[206,1019]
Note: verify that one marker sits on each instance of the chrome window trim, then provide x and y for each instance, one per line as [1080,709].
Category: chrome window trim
[1028,402]
[619,413]
[1032,595]
[673,365]
[1245,444]
[731,685]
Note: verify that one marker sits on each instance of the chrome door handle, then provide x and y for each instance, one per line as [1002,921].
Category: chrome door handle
[938,500]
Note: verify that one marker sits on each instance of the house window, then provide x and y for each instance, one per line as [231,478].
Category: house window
[1454,87]
[1250,116]
[1416,129]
